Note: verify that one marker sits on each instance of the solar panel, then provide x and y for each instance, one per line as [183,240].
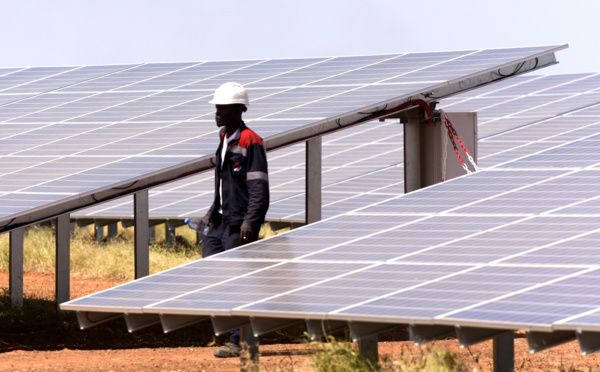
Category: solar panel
[99,158]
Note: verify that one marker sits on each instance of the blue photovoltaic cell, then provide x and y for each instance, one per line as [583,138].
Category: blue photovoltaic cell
[29,75]
[127,77]
[257,286]
[405,242]
[397,67]
[183,77]
[73,76]
[545,304]
[461,192]
[170,283]
[458,291]
[577,154]
[512,240]
[580,249]
[352,288]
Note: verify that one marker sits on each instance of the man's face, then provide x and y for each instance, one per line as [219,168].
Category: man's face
[227,115]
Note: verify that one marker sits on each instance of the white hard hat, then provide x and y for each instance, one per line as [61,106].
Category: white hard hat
[229,94]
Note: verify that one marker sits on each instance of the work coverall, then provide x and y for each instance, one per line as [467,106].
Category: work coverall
[245,188]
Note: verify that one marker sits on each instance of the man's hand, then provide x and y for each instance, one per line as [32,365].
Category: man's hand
[246,233]
[206,219]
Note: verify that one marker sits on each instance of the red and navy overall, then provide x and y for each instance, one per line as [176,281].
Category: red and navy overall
[245,186]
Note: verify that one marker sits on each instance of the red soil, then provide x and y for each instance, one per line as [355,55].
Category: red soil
[55,343]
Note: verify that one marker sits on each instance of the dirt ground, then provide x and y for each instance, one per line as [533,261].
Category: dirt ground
[55,343]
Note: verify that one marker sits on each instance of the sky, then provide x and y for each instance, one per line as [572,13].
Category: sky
[99,32]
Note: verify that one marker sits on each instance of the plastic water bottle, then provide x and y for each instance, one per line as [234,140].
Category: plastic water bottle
[197,224]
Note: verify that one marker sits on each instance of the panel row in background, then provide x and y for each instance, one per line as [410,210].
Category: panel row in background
[364,163]
[261,73]
[365,159]
[528,99]
[101,132]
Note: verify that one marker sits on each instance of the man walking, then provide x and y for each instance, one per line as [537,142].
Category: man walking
[241,185]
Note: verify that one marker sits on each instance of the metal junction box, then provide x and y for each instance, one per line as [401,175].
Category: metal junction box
[429,155]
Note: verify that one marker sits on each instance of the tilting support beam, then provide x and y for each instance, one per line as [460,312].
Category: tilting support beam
[539,341]
[318,329]
[83,222]
[173,322]
[141,234]
[170,232]
[313,180]
[468,336]
[363,330]
[588,341]
[63,259]
[89,319]
[98,233]
[222,324]
[420,334]
[113,230]
[15,267]
[99,228]
[261,326]
[135,322]
[127,223]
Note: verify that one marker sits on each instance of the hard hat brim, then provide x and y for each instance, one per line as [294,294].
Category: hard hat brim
[216,102]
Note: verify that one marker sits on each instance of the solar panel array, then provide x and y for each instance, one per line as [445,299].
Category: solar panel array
[353,157]
[71,133]
[514,246]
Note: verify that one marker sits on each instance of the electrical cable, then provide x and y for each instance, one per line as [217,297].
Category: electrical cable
[537,60]
[125,187]
[374,113]
[370,116]
[8,224]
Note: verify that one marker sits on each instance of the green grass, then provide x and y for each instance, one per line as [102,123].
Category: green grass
[433,360]
[342,356]
[339,356]
[112,259]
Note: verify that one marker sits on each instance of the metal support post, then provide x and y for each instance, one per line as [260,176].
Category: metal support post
[141,234]
[313,180]
[368,348]
[113,230]
[249,360]
[412,152]
[504,352]
[15,267]
[63,258]
[98,232]
[170,232]
[152,234]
